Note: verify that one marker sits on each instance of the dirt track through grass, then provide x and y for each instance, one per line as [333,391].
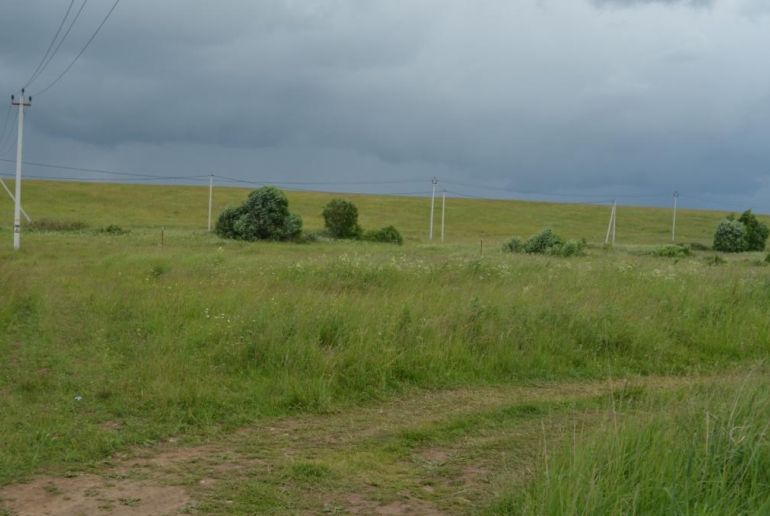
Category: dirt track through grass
[443,452]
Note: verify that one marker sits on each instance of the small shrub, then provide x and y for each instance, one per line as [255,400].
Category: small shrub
[730,236]
[756,231]
[341,219]
[57,225]
[263,216]
[388,234]
[113,229]
[543,242]
[571,248]
[767,258]
[673,251]
[159,270]
[546,242]
[514,245]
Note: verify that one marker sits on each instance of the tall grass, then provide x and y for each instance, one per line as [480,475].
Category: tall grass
[706,452]
[203,335]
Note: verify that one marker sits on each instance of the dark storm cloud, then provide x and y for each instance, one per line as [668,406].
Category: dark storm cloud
[542,95]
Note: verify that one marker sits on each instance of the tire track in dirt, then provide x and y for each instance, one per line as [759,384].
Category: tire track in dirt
[276,460]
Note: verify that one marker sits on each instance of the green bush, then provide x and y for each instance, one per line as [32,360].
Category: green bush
[263,216]
[571,248]
[514,245]
[546,242]
[756,231]
[730,236]
[388,234]
[543,242]
[673,251]
[341,219]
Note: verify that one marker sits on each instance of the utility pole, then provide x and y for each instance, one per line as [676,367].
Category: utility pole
[211,196]
[432,206]
[21,103]
[443,213]
[673,224]
[611,227]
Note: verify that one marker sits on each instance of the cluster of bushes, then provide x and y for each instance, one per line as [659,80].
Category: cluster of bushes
[341,221]
[73,225]
[746,233]
[546,242]
[673,251]
[265,216]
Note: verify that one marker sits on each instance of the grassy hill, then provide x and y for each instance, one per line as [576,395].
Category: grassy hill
[468,220]
[111,341]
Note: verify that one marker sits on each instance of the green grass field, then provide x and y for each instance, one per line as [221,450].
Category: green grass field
[467,221]
[115,343]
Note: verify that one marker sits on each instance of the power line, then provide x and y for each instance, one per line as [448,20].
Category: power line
[198,178]
[102,180]
[9,144]
[102,171]
[534,192]
[93,36]
[5,126]
[476,197]
[50,45]
[310,183]
[58,46]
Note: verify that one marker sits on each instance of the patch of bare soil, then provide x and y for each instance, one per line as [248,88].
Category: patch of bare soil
[92,494]
[169,478]
[357,504]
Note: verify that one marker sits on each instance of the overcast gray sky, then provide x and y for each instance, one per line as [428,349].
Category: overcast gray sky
[570,99]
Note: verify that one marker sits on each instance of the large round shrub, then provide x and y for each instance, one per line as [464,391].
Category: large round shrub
[730,236]
[756,231]
[341,219]
[264,216]
[543,242]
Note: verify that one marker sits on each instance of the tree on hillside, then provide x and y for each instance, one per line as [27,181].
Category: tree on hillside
[756,231]
[730,236]
[263,216]
[341,219]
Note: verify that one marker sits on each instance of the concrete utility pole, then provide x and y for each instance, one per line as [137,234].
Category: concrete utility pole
[673,224]
[211,197]
[611,227]
[432,206]
[21,103]
[443,213]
